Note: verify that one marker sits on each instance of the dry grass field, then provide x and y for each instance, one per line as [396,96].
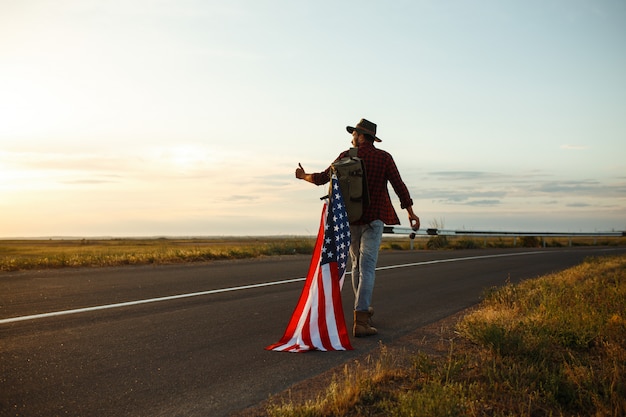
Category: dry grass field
[59,253]
[27,254]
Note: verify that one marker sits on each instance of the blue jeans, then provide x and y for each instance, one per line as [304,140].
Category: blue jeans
[364,246]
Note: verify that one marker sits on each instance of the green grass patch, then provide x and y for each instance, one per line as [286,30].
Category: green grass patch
[551,346]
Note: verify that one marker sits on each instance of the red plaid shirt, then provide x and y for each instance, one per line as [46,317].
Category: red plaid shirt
[380,168]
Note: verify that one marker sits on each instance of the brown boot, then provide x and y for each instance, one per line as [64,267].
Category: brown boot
[370,312]
[361,324]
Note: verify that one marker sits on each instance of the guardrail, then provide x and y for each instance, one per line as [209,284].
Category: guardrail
[445,232]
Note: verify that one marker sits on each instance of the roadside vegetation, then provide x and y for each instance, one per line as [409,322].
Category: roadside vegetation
[61,253]
[551,346]
[463,242]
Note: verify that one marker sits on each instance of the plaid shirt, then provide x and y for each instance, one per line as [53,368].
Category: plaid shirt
[380,168]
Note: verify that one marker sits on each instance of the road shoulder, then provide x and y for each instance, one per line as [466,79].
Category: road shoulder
[433,339]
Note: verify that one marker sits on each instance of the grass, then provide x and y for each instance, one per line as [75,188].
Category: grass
[551,346]
[55,253]
[61,253]
[465,242]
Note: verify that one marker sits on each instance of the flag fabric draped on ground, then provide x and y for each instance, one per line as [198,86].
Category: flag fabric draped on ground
[317,322]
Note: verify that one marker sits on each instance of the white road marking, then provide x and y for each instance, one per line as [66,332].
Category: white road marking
[146,301]
[468,258]
[243,287]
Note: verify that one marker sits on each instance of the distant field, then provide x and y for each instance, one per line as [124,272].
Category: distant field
[57,253]
[60,253]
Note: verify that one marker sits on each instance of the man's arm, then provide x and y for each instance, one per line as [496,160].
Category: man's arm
[406,202]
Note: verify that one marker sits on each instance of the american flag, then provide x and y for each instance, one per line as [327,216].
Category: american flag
[317,322]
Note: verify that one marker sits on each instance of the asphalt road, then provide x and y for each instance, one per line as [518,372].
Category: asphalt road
[203,354]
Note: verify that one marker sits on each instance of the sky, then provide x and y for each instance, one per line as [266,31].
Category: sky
[188,118]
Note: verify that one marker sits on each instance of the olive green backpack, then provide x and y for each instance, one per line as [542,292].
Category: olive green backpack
[352,180]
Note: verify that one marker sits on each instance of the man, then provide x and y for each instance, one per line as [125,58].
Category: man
[367,232]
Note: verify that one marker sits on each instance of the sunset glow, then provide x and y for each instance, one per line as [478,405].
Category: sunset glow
[189,117]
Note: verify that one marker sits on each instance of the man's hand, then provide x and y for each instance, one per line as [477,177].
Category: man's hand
[414,221]
[300,172]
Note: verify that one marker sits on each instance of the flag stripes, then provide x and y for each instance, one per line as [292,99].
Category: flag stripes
[317,322]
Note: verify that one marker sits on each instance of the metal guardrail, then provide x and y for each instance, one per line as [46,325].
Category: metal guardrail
[445,232]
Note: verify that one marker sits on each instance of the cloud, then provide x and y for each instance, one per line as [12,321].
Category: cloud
[474,196]
[281,179]
[574,147]
[174,162]
[588,187]
[514,193]
[87,182]
[465,175]
[58,161]
[483,203]
[566,186]
[236,198]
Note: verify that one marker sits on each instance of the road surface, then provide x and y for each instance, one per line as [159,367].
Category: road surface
[188,340]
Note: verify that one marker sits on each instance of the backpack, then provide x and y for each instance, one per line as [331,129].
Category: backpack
[350,172]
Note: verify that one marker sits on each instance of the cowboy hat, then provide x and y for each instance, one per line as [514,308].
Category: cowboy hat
[366,127]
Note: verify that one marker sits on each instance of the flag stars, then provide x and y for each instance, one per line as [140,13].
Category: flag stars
[337,232]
